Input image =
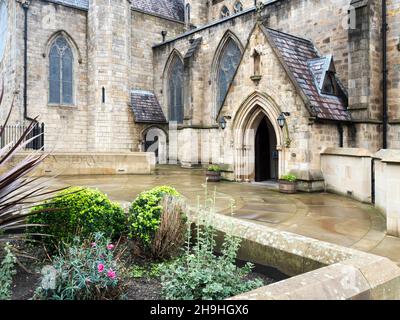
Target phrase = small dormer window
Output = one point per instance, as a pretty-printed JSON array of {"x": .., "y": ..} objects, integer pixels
[
  {"x": 225, "y": 12},
  {"x": 238, "y": 7},
  {"x": 329, "y": 86}
]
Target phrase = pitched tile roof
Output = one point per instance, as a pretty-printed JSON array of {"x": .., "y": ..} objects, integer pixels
[
  {"x": 81, "y": 4},
  {"x": 305, "y": 67},
  {"x": 173, "y": 9},
  {"x": 146, "y": 108}
]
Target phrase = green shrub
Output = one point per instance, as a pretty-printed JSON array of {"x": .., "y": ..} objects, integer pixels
[
  {"x": 145, "y": 212},
  {"x": 87, "y": 270},
  {"x": 214, "y": 168},
  {"x": 80, "y": 211},
  {"x": 7, "y": 271},
  {"x": 289, "y": 177},
  {"x": 200, "y": 274}
]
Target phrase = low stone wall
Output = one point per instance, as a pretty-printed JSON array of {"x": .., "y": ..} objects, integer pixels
[
  {"x": 322, "y": 271},
  {"x": 387, "y": 187},
  {"x": 348, "y": 172},
  {"x": 91, "y": 163}
]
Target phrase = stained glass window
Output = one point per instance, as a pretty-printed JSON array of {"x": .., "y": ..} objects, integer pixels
[
  {"x": 176, "y": 91},
  {"x": 228, "y": 64},
  {"x": 238, "y": 7},
  {"x": 225, "y": 12},
  {"x": 3, "y": 26},
  {"x": 61, "y": 72}
]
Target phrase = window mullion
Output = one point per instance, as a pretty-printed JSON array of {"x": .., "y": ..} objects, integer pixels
[{"x": 61, "y": 80}]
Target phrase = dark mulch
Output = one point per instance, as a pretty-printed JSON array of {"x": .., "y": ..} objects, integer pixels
[
  {"x": 144, "y": 289},
  {"x": 24, "y": 284}
]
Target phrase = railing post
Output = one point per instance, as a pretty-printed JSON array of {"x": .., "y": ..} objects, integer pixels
[{"x": 42, "y": 137}]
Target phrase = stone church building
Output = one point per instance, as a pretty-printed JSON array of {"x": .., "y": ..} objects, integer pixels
[{"x": 259, "y": 87}]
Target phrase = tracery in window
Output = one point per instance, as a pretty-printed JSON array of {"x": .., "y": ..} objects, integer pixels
[
  {"x": 175, "y": 83},
  {"x": 238, "y": 7},
  {"x": 228, "y": 63},
  {"x": 61, "y": 72},
  {"x": 225, "y": 12}
]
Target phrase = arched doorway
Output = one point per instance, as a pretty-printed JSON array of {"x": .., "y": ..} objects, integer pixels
[
  {"x": 155, "y": 140},
  {"x": 266, "y": 154},
  {"x": 255, "y": 129}
]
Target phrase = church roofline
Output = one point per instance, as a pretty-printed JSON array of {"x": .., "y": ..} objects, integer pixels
[
  {"x": 68, "y": 5},
  {"x": 207, "y": 26},
  {"x": 157, "y": 15}
]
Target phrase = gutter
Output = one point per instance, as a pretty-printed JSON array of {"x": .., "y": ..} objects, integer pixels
[{"x": 384, "y": 75}]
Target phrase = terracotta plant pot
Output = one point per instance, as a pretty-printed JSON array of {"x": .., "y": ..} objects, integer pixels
[
  {"x": 287, "y": 187},
  {"x": 213, "y": 176}
]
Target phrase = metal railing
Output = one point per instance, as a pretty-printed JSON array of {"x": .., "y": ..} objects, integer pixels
[{"x": 12, "y": 133}]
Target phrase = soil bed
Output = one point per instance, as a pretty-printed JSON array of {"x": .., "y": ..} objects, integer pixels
[{"x": 143, "y": 288}]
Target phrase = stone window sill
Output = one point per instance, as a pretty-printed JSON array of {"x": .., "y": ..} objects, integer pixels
[{"x": 56, "y": 105}]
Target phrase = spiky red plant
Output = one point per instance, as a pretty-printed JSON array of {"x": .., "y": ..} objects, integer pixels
[{"x": 19, "y": 191}]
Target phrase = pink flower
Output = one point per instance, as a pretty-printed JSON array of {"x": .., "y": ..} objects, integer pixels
[
  {"x": 111, "y": 274},
  {"x": 110, "y": 246},
  {"x": 93, "y": 244},
  {"x": 100, "y": 267}
]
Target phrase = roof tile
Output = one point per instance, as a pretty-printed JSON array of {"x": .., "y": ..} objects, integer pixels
[
  {"x": 146, "y": 107},
  {"x": 303, "y": 62},
  {"x": 173, "y": 9}
]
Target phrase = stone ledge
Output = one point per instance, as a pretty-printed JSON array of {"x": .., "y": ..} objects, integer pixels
[
  {"x": 87, "y": 163},
  {"x": 347, "y": 152},
  {"x": 388, "y": 155},
  {"x": 366, "y": 278},
  {"x": 272, "y": 247},
  {"x": 323, "y": 271}
]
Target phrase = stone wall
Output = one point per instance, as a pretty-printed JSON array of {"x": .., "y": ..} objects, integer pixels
[
  {"x": 146, "y": 32},
  {"x": 8, "y": 64},
  {"x": 348, "y": 172},
  {"x": 215, "y": 6},
  {"x": 202, "y": 80},
  {"x": 83, "y": 163},
  {"x": 393, "y": 20},
  {"x": 387, "y": 187},
  {"x": 63, "y": 124}
]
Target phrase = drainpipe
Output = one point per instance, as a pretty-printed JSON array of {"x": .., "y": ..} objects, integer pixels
[
  {"x": 25, "y": 7},
  {"x": 384, "y": 74},
  {"x": 340, "y": 129}
]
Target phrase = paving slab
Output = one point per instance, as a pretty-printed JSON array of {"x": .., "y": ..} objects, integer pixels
[{"x": 322, "y": 216}]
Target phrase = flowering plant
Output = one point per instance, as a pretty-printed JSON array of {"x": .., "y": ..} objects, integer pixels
[{"x": 87, "y": 270}]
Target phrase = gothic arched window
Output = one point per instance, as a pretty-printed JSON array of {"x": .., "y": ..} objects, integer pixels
[
  {"x": 228, "y": 63},
  {"x": 225, "y": 12},
  {"x": 188, "y": 14},
  {"x": 3, "y": 26},
  {"x": 61, "y": 72},
  {"x": 238, "y": 7},
  {"x": 175, "y": 99}
]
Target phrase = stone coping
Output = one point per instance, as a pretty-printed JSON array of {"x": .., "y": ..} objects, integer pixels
[
  {"x": 347, "y": 152},
  {"x": 321, "y": 270},
  {"x": 388, "y": 155}
]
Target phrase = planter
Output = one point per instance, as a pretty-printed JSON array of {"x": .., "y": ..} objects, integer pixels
[
  {"x": 213, "y": 176},
  {"x": 287, "y": 187}
]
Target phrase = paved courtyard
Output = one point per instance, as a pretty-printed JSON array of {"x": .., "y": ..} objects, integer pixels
[{"x": 321, "y": 216}]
